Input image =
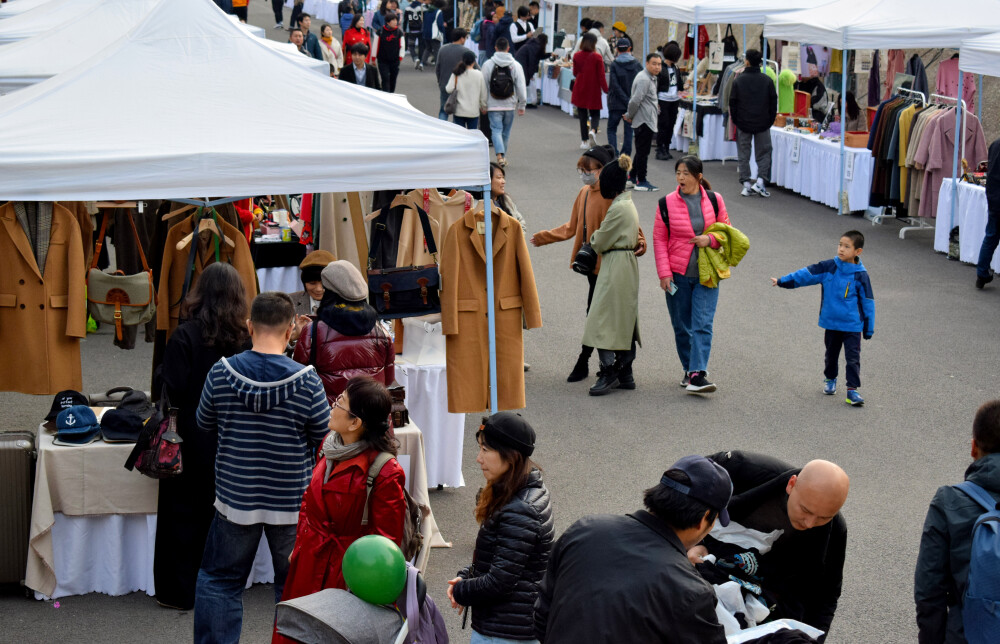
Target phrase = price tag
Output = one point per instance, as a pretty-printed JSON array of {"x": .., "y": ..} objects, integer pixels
[
  {"x": 849, "y": 167},
  {"x": 796, "y": 147}
]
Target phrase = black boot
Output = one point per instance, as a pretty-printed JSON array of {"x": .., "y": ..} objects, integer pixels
[
  {"x": 607, "y": 379},
  {"x": 581, "y": 370},
  {"x": 625, "y": 378}
]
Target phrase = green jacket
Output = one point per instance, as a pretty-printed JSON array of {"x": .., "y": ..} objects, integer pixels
[{"x": 714, "y": 263}]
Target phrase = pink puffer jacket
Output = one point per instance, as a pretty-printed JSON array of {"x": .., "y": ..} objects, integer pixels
[{"x": 673, "y": 250}]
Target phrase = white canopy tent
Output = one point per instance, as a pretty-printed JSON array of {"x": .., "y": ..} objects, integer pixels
[
  {"x": 256, "y": 31},
  {"x": 11, "y": 9},
  {"x": 981, "y": 56},
  {"x": 50, "y": 15},
  {"x": 612, "y": 4},
  {"x": 57, "y": 50},
  {"x": 740, "y": 12}
]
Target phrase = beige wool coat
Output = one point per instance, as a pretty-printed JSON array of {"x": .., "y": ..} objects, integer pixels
[{"x": 464, "y": 310}]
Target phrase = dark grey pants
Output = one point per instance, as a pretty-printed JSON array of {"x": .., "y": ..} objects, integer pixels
[{"x": 762, "y": 146}]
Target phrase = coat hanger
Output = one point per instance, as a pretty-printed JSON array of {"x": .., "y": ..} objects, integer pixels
[
  {"x": 207, "y": 222},
  {"x": 179, "y": 211}
]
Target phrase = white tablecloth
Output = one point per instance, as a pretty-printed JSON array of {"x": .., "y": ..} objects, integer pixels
[
  {"x": 817, "y": 172},
  {"x": 427, "y": 401},
  {"x": 712, "y": 145},
  {"x": 322, "y": 10},
  {"x": 970, "y": 217},
  {"x": 279, "y": 278},
  {"x": 550, "y": 91}
]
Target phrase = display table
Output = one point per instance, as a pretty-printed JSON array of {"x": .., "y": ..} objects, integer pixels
[
  {"x": 816, "y": 174},
  {"x": 970, "y": 217},
  {"x": 277, "y": 265},
  {"x": 427, "y": 401},
  {"x": 93, "y": 523},
  {"x": 712, "y": 143}
]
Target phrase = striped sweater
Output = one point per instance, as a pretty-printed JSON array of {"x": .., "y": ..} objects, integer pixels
[{"x": 271, "y": 414}]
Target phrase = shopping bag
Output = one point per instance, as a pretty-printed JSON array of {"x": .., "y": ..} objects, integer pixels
[{"x": 716, "y": 51}]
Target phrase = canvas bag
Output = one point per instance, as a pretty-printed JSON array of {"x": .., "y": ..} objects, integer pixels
[
  {"x": 120, "y": 299},
  {"x": 730, "y": 48},
  {"x": 404, "y": 291}
]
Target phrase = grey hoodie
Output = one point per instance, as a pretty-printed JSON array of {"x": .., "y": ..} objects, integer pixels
[{"x": 520, "y": 96}]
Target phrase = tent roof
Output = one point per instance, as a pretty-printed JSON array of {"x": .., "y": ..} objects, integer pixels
[
  {"x": 602, "y": 3},
  {"x": 45, "y": 17},
  {"x": 18, "y": 7},
  {"x": 57, "y": 50},
  {"x": 185, "y": 106},
  {"x": 256, "y": 31},
  {"x": 740, "y": 12},
  {"x": 887, "y": 24},
  {"x": 981, "y": 55}
]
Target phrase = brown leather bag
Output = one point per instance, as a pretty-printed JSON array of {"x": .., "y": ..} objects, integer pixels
[{"x": 120, "y": 299}]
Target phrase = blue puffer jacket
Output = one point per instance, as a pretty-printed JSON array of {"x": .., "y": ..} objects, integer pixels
[{"x": 848, "y": 302}]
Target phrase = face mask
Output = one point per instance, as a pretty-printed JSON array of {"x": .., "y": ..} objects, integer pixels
[{"x": 588, "y": 178}]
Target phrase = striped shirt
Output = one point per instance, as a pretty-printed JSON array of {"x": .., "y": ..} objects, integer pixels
[{"x": 269, "y": 430}]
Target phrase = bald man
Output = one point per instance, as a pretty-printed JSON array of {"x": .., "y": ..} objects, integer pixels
[{"x": 789, "y": 520}]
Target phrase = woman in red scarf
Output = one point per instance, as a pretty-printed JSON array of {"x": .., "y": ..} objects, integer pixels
[{"x": 357, "y": 33}]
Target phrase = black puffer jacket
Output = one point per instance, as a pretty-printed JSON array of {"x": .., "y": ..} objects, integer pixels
[{"x": 512, "y": 553}]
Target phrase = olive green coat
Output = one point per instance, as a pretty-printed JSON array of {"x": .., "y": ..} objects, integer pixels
[{"x": 613, "y": 320}]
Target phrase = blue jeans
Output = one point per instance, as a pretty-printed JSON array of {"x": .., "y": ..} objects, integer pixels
[
  {"x": 468, "y": 122},
  {"x": 225, "y": 567},
  {"x": 486, "y": 639},
  {"x": 613, "y": 119},
  {"x": 501, "y": 121},
  {"x": 692, "y": 311},
  {"x": 441, "y": 113},
  {"x": 990, "y": 243}
]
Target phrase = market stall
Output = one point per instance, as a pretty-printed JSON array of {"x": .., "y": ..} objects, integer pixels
[
  {"x": 48, "y": 16},
  {"x": 711, "y": 131}
]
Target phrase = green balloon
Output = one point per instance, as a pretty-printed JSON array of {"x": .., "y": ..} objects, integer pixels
[{"x": 375, "y": 569}]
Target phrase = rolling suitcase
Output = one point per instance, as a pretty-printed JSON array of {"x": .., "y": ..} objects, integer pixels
[{"x": 17, "y": 481}]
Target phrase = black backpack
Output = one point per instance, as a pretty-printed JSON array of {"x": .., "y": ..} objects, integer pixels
[
  {"x": 501, "y": 82},
  {"x": 663, "y": 208}
]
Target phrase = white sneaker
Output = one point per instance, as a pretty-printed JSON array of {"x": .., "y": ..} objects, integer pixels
[
  {"x": 630, "y": 185},
  {"x": 593, "y": 139},
  {"x": 747, "y": 192},
  {"x": 584, "y": 145},
  {"x": 759, "y": 189}
]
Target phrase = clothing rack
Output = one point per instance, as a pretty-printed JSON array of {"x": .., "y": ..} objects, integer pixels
[{"x": 912, "y": 92}]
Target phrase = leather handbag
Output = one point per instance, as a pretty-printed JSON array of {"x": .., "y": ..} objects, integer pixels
[
  {"x": 451, "y": 104},
  {"x": 120, "y": 299},
  {"x": 404, "y": 291},
  {"x": 586, "y": 258}
]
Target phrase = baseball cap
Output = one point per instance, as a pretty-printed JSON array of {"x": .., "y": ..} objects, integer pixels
[
  {"x": 510, "y": 429},
  {"x": 121, "y": 426},
  {"x": 710, "y": 483},
  {"x": 65, "y": 400},
  {"x": 136, "y": 402},
  {"x": 76, "y": 426},
  {"x": 623, "y": 44}
]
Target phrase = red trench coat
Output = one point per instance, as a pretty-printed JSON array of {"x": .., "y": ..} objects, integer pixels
[
  {"x": 590, "y": 81},
  {"x": 330, "y": 521}
]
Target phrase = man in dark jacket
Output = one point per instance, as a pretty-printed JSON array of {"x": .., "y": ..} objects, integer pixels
[
  {"x": 984, "y": 274},
  {"x": 529, "y": 56},
  {"x": 627, "y": 578},
  {"x": 753, "y": 106},
  {"x": 448, "y": 58},
  {"x": 623, "y": 72},
  {"x": 943, "y": 562},
  {"x": 311, "y": 42},
  {"x": 359, "y": 72},
  {"x": 799, "y": 511}
]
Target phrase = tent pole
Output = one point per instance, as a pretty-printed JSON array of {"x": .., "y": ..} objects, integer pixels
[
  {"x": 745, "y": 42},
  {"x": 959, "y": 135},
  {"x": 612, "y": 14},
  {"x": 694, "y": 98},
  {"x": 841, "y": 207},
  {"x": 579, "y": 17},
  {"x": 490, "y": 296},
  {"x": 645, "y": 37},
  {"x": 541, "y": 16}
]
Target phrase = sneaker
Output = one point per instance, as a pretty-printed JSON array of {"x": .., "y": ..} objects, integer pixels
[
  {"x": 585, "y": 145},
  {"x": 686, "y": 380},
  {"x": 699, "y": 383},
  {"x": 747, "y": 192},
  {"x": 279, "y": 26},
  {"x": 630, "y": 185},
  {"x": 760, "y": 189},
  {"x": 854, "y": 399},
  {"x": 830, "y": 386},
  {"x": 645, "y": 186},
  {"x": 983, "y": 281},
  {"x": 592, "y": 140}
]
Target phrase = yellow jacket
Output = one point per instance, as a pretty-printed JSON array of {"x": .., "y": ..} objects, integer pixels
[{"x": 714, "y": 263}]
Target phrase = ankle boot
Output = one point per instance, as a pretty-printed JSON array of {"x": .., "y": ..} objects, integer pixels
[
  {"x": 607, "y": 379},
  {"x": 581, "y": 370},
  {"x": 625, "y": 378}
]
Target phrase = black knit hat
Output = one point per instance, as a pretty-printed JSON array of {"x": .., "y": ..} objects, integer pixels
[
  {"x": 603, "y": 154},
  {"x": 614, "y": 176},
  {"x": 511, "y": 430}
]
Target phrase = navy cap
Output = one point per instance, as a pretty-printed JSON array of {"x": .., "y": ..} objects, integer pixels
[
  {"x": 710, "y": 483},
  {"x": 121, "y": 426},
  {"x": 511, "y": 430},
  {"x": 65, "y": 400},
  {"x": 78, "y": 419},
  {"x": 76, "y": 440}
]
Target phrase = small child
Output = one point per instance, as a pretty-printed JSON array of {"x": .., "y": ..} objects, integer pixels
[{"x": 846, "y": 317}]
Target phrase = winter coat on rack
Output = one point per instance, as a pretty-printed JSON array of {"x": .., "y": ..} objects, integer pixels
[
  {"x": 936, "y": 150},
  {"x": 895, "y": 60},
  {"x": 43, "y": 314},
  {"x": 442, "y": 211},
  {"x": 915, "y": 68},
  {"x": 464, "y": 308},
  {"x": 947, "y": 83}
]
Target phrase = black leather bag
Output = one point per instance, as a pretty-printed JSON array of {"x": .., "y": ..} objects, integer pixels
[
  {"x": 404, "y": 291},
  {"x": 586, "y": 258},
  {"x": 730, "y": 48}
]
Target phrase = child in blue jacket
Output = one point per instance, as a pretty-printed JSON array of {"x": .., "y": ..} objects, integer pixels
[{"x": 847, "y": 309}]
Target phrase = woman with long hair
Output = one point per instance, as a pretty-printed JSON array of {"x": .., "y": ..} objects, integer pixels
[
  {"x": 499, "y": 196},
  {"x": 677, "y": 234},
  {"x": 333, "y": 52},
  {"x": 613, "y": 319},
  {"x": 588, "y": 87},
  {"x": 468, "y": 82},
  {"x": 213, "y": 326},
  {"x": 357, "y": 34},
  {"x": 515, "y": 535},
  {"x": 857, "y": 120},
  {"x": 333, "y": 505}
]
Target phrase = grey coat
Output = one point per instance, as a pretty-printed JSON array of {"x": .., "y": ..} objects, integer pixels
[{"x": 643, "y": 106}]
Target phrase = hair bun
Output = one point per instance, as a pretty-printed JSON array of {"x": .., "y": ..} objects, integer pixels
[{"x": 625, "y": 163}]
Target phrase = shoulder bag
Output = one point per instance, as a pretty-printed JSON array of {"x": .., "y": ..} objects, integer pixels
[
  {"x": 586, "y": 258},
  {"x": 120, "y": 299}
]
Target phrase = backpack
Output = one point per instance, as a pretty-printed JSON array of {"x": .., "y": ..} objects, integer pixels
[
  {"x": 413, "y": 540},
  {"x": 501, "y": 82},
  {"x": 157, "y": 451},
  {"x": 477, "y": 31},
  {"x": 981, "y": 600},
  {"x": 663, "y": 208}
]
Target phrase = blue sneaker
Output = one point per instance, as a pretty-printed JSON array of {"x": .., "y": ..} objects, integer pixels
[
  {"x": 854, "y": 399},
  {"x": 830, "y": 386},
  {"x": 645, "y": 186}
]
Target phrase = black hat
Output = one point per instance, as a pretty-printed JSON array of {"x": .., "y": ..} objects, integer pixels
[
  {"x": 65, "y": 400},
  {"x": 710, "y": 483},
  {"x": 603, "y": 154},
  {"x": 614, "y": 176},
  {"x": 121, "y": 426},
  {"x": 509, "y": 429},
  {"x": 136, "y": 402}
]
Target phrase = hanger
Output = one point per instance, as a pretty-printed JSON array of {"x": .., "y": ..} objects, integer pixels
[
  {"x": 179, "y": 211},
  {"x": 116, "y": 204},
  {"x": 207, "y": 222}
]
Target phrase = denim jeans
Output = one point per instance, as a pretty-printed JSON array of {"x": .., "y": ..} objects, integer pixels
[
  {"x": 444, "y": 98},
  {"x": 692, "y": 311},
  {"x": 989, "y": 244},
  {"x": 225, "y": 567},
  {"x": 486, "y": 639},
  {"x": 614, "y": 118},
  {"x": 500, "y": 122},
  {"x": 468, "y": 122}
]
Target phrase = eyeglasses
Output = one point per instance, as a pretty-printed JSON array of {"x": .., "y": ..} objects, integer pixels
[{"x": 336, "y": 403}]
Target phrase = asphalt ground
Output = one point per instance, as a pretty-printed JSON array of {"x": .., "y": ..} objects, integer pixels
[{"x": 934, "y": 358}]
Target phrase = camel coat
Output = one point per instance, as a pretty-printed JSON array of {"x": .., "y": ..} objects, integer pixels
[
  {"x": 42, "y": 317},
  {"x": 464, "y": 309},
  {"x": 171, "y": 287}
]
